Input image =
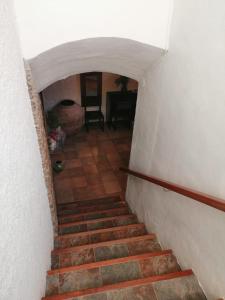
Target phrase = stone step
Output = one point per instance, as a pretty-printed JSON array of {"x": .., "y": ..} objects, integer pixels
[
  {"x": 181, "y": 285},
  {"x": 109, "y": 272},
  {"x": 91, "y": 208},
  {"x": 94, "y": 215},
  {"x": 102, "y": 223},
  {"x": 100, "y": 235},
  {"x": 89, "y": 202},
  {"x": 91, "y": 253}
]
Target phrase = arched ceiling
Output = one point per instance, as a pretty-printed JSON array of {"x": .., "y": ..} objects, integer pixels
[
  {"x": 62, "y": 38},
  {"x": 114, "y": 55}
]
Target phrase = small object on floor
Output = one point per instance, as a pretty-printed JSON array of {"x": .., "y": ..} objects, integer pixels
[
  {"x": 56, "y": 139},
  {"x": 58, "y": 166}
]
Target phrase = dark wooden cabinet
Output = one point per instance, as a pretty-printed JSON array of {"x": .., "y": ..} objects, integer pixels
[{"x": 120, "y": 106}]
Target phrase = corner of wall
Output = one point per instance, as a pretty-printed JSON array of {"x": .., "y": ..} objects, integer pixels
[
  {"x": 43, "y": 145},
  {"x": 170, "y": 19}
]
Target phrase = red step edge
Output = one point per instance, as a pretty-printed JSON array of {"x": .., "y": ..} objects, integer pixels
[
  {"x": 116, "y": 197},
  {"x": 109, "y": 262},
  {"x": 106, "y": 243},
  {"x": 61, "y": 213},
  {"x": 95, "y": 220},
  {"x": 93, "y": 212},
  {"x": 131, "y": 283},
  {"x": 117, "y": 228}
]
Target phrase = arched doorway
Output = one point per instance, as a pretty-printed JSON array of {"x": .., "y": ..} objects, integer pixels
[
  {"x": 112, "y": 55},
  {"x": 92, "y": 159}
]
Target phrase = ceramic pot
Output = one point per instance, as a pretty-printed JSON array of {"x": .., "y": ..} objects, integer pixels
[{"x": 70, "y": 116}]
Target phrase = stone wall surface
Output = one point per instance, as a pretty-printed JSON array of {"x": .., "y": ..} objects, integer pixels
[{"x": 43, "y": 144}]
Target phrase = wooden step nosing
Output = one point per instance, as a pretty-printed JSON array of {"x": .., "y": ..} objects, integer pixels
[
  {"x": 96, "y": 220},
  {"x": 110, "y": 262},
  {"x": 93, "y": 212},
  {"x": 116, "y": 228},
  {"x": 106, "y": 243},
  {"x": 120, "y": 285}
]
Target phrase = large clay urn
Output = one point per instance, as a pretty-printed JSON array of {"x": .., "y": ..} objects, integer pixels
[{"x": 70, "y": 116}]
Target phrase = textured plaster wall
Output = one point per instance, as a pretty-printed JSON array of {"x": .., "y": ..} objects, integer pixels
[
  {"x": 25, "y": 222},
  {"x": 69, "y": 88},
  {"x": 61, "y": 22},
  {"x": 179, "y": 136}
]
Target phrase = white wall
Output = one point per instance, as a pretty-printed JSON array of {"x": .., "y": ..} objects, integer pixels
[
  {"x": 69, "y": 88},
  {"x": 179, "y": 136},
  {"x": 45, "y": 24},
  {"x": 25, "y": 222},
  {"x": 65, "y": 38},
  {"x": 113, "y": 55}
]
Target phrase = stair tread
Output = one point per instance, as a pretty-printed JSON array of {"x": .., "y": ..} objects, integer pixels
[
  {"x": 120, "y": 285},
  {"x": 104, "y": 250},
  {"x": 96, "y": 220},
  {"x": 92, "y": 212},
  {"x": 118, "y": 228},
  {"x": 94, "y": 245},
  {"x": 110, "y": 262},
  {"x": 102, "y": 223},
  {"x": 111, "y": 271},
  {"x": 89, "y": 208},
  {"x": 113, "y": 198},
  {"x": 89, "y": 204}
]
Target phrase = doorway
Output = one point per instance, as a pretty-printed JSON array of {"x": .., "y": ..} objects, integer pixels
[{"x": 92, "y": 159}]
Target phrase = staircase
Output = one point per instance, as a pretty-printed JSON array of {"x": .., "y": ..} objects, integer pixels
[{"x": 102, "y": 252}]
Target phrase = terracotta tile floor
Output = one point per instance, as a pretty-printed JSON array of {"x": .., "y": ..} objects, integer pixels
[{"x": 91, "y": 163}]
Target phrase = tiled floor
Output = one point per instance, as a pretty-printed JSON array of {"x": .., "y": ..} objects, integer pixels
[{"x": 91, "y": 162}]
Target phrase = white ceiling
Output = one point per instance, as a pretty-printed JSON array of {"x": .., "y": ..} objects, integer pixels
[{"x": 45, "y": 24}]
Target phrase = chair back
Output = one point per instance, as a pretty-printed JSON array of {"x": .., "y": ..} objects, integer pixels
[
  {"x": 92, "y": 101},
  {"x": 91, "y": 89}
]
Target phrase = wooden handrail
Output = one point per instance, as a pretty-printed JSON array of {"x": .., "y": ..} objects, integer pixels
[{"x": 200, "y": 197}]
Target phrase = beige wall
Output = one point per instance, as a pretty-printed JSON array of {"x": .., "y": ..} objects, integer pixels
[{"x": 69, "y": 88}]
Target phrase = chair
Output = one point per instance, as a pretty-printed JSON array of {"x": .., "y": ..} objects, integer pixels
[
  {"x": 91, "y": 97},
  {"x": 94, "y": 114}
]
